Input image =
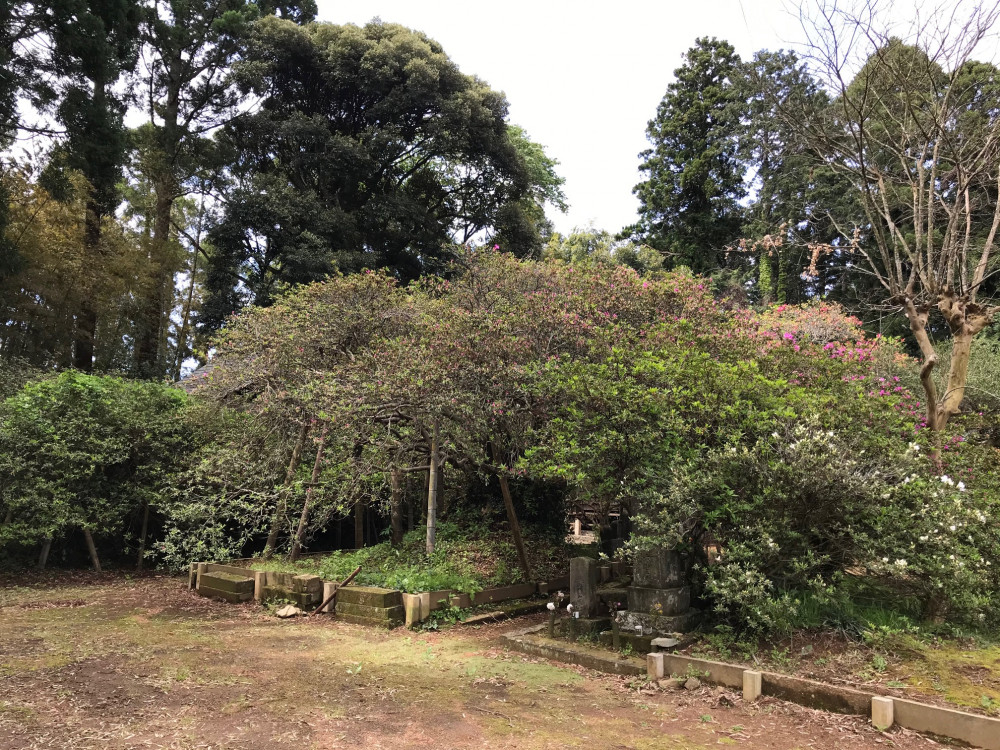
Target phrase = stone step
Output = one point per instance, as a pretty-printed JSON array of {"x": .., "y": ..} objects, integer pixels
[
  {"x": 386, "y": 616},
  {"x": 370, "y": 596},
  {"x": 233, "y": 597},
  {"x": 369, "y": 622},
  {"x": 235, "y": 584}
]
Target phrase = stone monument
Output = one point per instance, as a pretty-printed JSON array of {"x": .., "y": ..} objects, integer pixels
[
  {"x": 659, "y": 598},
  {"x": 583, "y": 596}
]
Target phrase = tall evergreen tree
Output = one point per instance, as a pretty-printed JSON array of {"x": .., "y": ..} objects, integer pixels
[
  {"x": 19, "y": 21},
  {"x": 689, "y": 201},
  {"x": 94, "y": 43},
  {"x": 188, "y": 46},
  {"x": 370, "y": 149}
]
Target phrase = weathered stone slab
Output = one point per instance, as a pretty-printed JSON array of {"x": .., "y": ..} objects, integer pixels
[
  {"x": 233, "y": 569},
  {"x": 370, "y": 623},
  {"x": 816, "y": 694},
  {"x": 517, "y": 591},
  {"x": 583, "y": 585},
  {"x": 395, "y": 615},
  {"x": 659, "y": 569},
  {"x": 664, "y": 602},
  {"x": 881, "y": 712},
  {"x": 654, "y": 625},
  {"x": 439, "y": 599},
  {"x": 236, "y": 584},
  {"x": 308, "y": 584},
  {"x": 369, "y": 596},
  {"x": 271, "y": 593},
  {"x": 233, "y": 597}
]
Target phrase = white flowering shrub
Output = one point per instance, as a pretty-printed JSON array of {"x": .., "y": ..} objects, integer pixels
[{"x": 801, "y": 510}]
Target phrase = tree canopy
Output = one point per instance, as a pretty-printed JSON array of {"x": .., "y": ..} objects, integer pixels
[{"x": 370, "y": 149}]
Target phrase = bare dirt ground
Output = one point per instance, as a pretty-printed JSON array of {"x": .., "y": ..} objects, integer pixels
[{"x": 111, "y": 662}]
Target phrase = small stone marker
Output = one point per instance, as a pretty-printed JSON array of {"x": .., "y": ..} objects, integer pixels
[
  {"x": 583, "y": 585},
  {"x": 289, "y": 610},
  {"x": 751, "y": 685},
  {"x": 882, "y": 712},
  {"x": 654, "y": 666}
]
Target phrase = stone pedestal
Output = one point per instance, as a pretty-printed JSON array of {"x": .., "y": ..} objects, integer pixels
[
  {"x": 583, "y": 585},
  {"x": 659, "y": 600},
  {"x": 662, "y": 602},
  {"x": 653, "y": 625}
]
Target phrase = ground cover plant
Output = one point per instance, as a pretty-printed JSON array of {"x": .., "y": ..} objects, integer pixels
[{"x": 468, "y": 559}]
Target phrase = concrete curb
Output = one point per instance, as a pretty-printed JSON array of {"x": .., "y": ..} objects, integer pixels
[{"x": 973, "y": 729}]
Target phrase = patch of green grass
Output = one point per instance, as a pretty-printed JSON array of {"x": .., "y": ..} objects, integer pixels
[{"x": 467, "y": 559}]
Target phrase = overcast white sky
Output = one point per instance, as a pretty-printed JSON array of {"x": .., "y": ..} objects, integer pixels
[{"x": 583, "y": 78}]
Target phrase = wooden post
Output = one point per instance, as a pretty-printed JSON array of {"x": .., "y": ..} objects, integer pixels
[
  {"x": 515, "y": 527},
  {"x": 432, "y": 491},
  {"x": 92, "y": 549},
  {"x": 395, "y": 507},
  {"x": 304, "y": 517},
  {"x": 142, "y": 536},
  {"x": 279, "y": 508},
  {"x": 43, "y": 556}
]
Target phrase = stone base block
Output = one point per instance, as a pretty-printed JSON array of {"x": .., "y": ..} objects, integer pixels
[
  {"x": 308, "y": 584},
  {"x": 369, "y": 596},
  {"x": 389, "y": 617},
  {"x": 662, "y": 602},
  {"x": 233, "y": 597},
  {"x": 230, "y": 582},
  {"x": 353, "y": 620},
  {"x": 301, "y": 600},
  {"x": 654, "y": 625}
]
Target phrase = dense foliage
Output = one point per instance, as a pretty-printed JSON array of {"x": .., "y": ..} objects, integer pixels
[
  {"x": 81, "y": 452},
  {"x": 707, "y": 425}
]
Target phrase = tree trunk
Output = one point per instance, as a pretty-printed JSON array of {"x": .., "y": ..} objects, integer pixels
[
  {"x": 159, "y": 296},
  {"x": 85, "y": 333},
  {"x": 301, "y": 531},
  {"x": 432, "y": 492},
  {"x": 92, "y": 549},
  {"x": 958, "y": 376},
  {"x": 43, "y": 556},
  {"x": 182, "y": 334},
  {"x": 396, "y": 507},
  {"x": 359, "y": 525},
  {"x": 142, "y": 536},
  {"x": 515, "y": 527},
  {"x": 279, "y": 508}
]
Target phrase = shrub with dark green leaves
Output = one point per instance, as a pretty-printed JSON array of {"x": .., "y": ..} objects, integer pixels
[{"x": 85, "y": 452}]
